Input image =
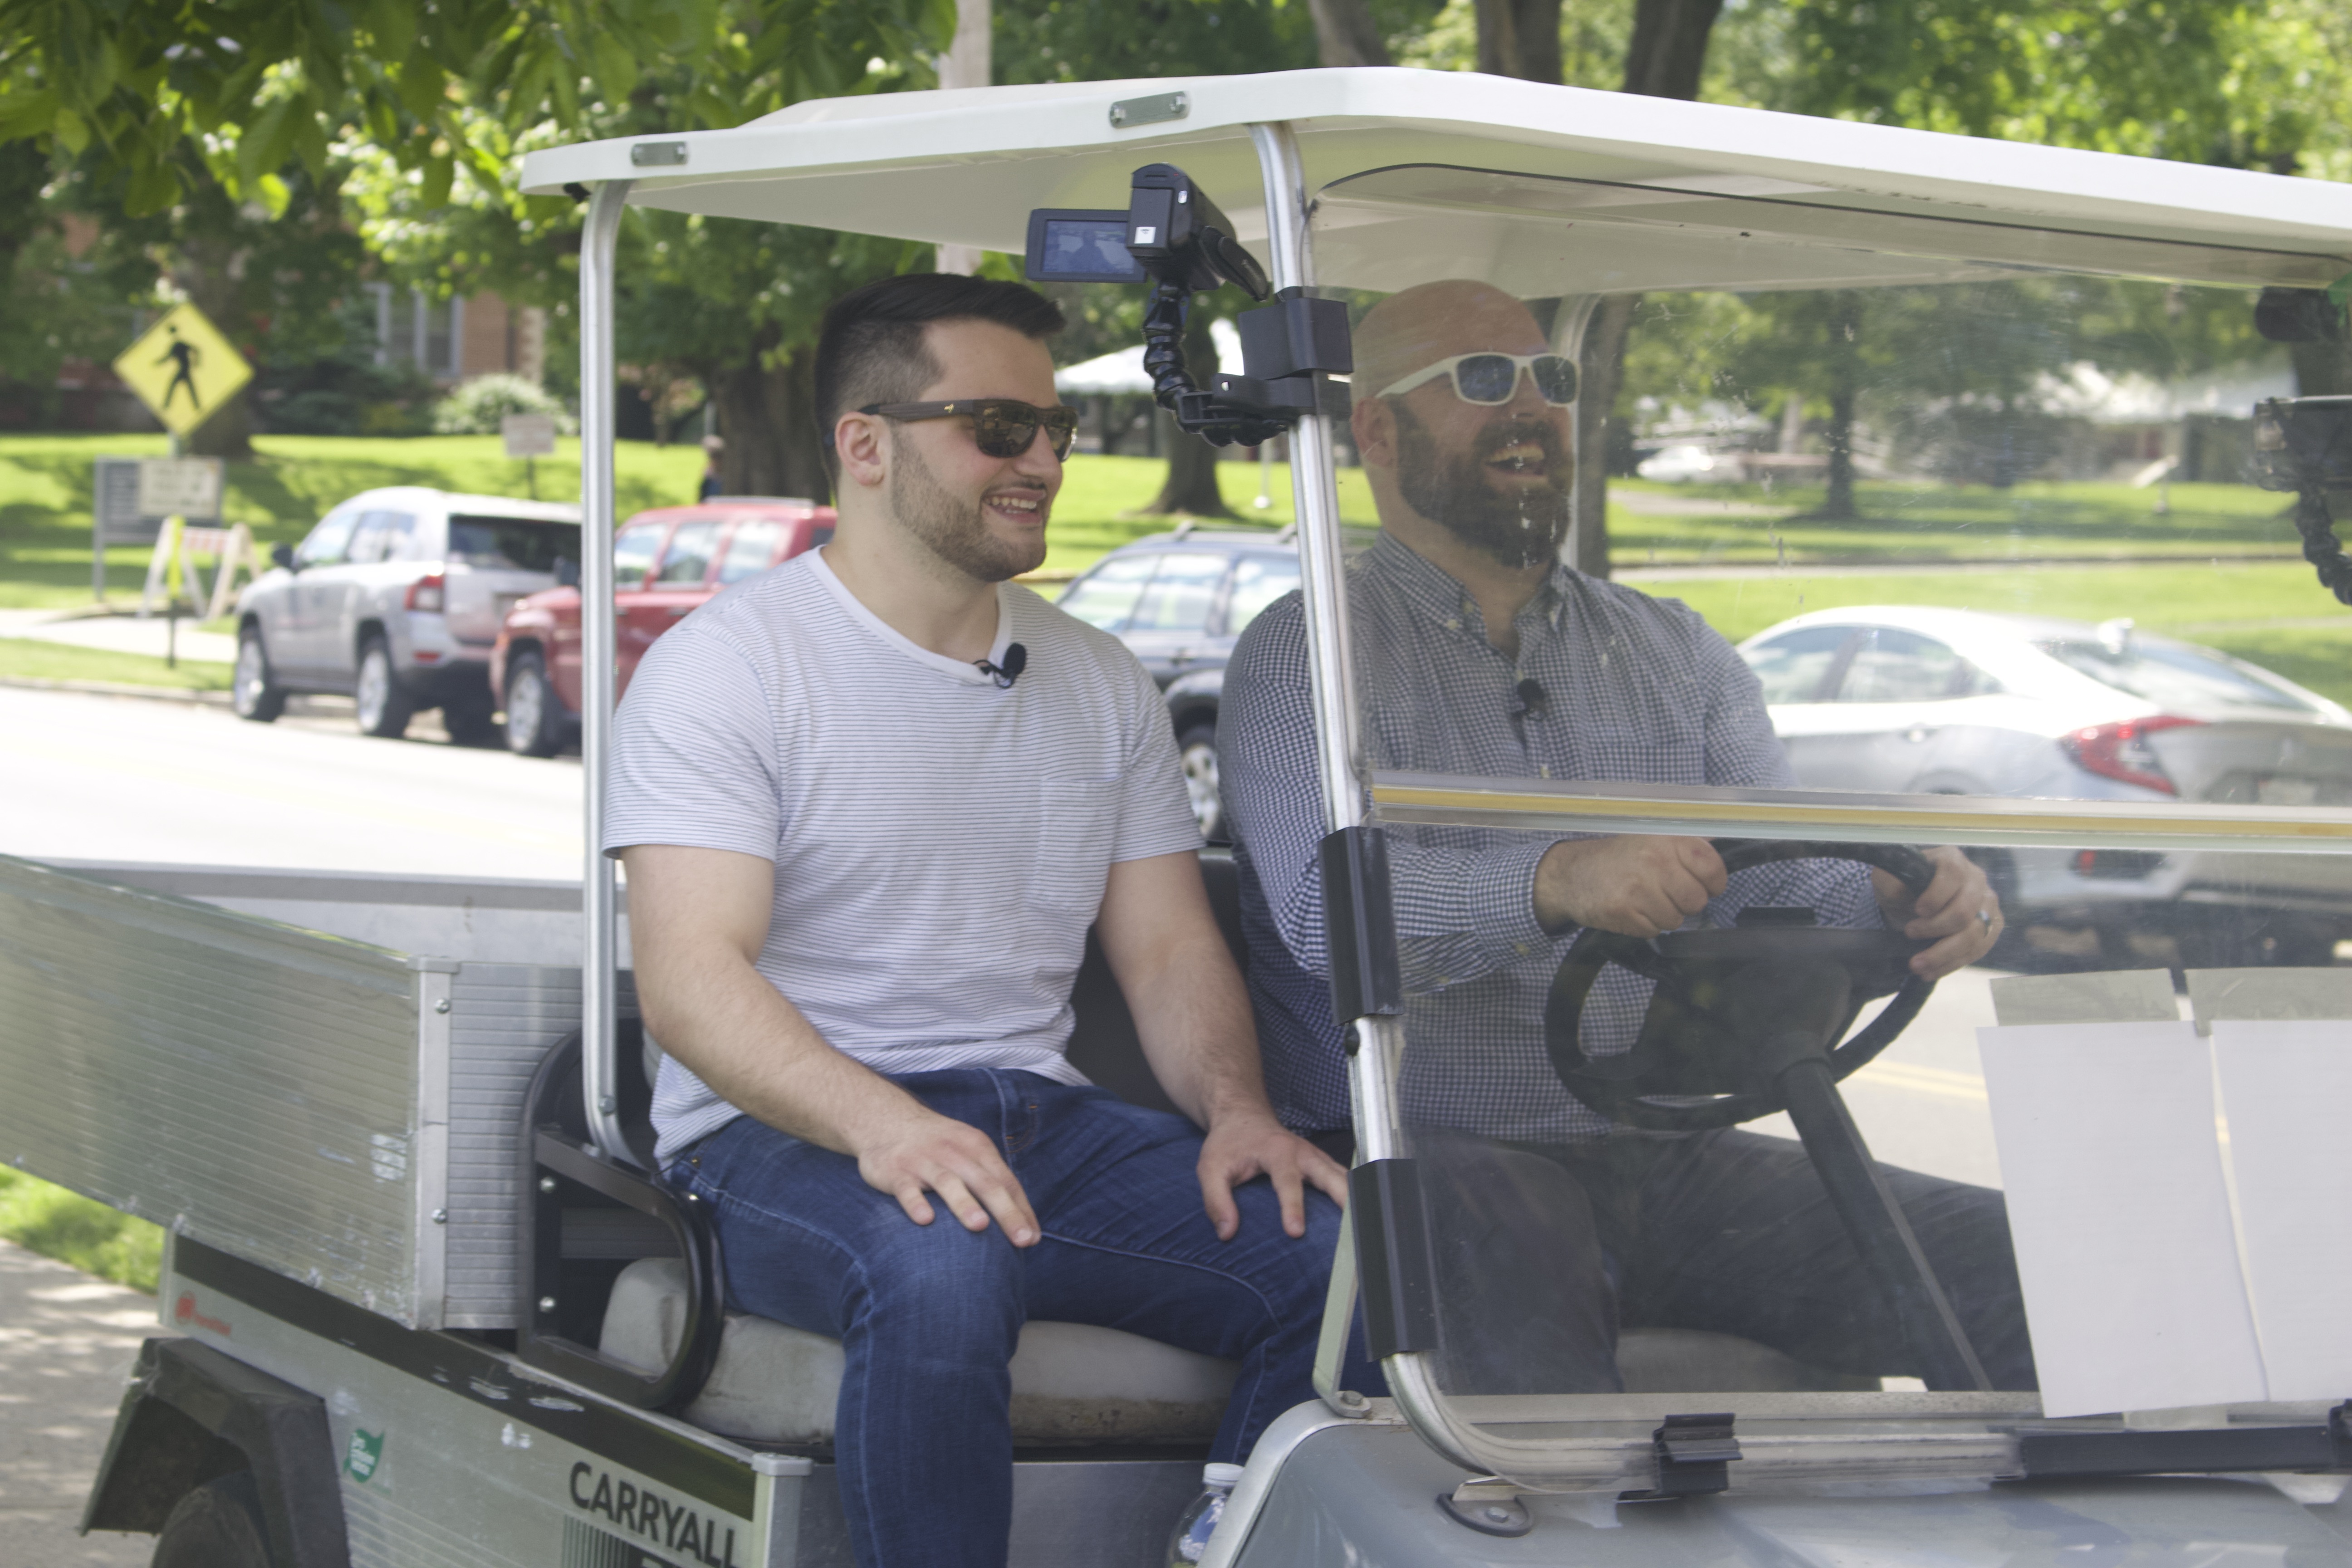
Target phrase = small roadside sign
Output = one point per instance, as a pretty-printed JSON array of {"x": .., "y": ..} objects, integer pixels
[
  {"x": 188, "y": 488},
  {"x": 528, "y": 434},
  {"x": 183, "y": 369}
]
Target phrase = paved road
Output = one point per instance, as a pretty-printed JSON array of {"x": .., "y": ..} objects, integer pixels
[
  {"x": 67, "y": 1342},
  {"x": 118, "y": 634},
  {"x": 92, "y": 778}
]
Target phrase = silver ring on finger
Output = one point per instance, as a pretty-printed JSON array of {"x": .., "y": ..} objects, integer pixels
[{"x": 1984, "y": 919}]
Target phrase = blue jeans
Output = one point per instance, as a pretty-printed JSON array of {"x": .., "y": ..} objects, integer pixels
[{"x": 928, "y": 1315}]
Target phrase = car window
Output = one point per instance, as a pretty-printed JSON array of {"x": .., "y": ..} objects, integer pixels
[
  {"x": 327, "y": 542},
  {"x": 752, "y": 550},
  {"x": 1258, "y": 581},
  {"x": 512, "y": 543},
  {"x": 1893, "y": 666},
  {"x": 1792, "y": 666},
  {"x": 1182, "y": 593},
  {"x": 633, "y": 554},
  {"x": 1106, "y": 596},
  {"x": 379, "y": 537},
  {"x": 686, "y": 562},
  {"x": 2175, "y": 674}
]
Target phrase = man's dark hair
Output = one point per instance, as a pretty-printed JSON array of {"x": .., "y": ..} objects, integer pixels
[{"x": 872, "y": 349}]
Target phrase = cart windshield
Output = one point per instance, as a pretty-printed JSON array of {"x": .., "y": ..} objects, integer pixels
[{"x": 1732, "y": 513}]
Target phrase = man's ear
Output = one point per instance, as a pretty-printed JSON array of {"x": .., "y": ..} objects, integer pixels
[
  {"x": 1373, "y": 423},
  {"x": 862, "y": 447}
]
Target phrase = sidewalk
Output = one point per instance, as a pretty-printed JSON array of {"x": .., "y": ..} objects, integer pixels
[
  {"x": 67, "y": 1342},
  {"x": 118, "y": 634}
]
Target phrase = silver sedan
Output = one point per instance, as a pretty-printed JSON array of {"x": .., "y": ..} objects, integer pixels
[{"x": 1911, "y": 700}]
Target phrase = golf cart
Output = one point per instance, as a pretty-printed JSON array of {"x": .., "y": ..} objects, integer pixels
[{"x": 428, "y": 1303}]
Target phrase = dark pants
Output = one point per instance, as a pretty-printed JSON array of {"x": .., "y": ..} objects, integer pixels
[
  {"x": 1542, "y": 1252},
  {"x": 928, "y": 1315}
]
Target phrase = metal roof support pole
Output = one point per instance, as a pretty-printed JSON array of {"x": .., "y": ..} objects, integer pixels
[
  {"x": 599, "y": 1076},
  {"x": 1315, "y": 492}
]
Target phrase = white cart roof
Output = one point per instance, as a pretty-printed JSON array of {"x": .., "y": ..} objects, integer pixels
[{"x": 1660, "y": 194}]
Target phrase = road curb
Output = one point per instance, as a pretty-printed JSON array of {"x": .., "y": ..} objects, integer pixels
[{"x": 119, "y": 689}]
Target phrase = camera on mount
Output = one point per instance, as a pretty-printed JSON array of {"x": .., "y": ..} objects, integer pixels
[
  {"x": 2304, "y": 444},
  {"x": 1175, "y": 238}
]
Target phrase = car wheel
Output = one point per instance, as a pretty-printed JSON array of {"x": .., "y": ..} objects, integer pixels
[
  {"x": 217, "y": 1525},
  {"x": 253, "y": 692},
  {"x": 534, "y": 716},
  {"x": 383, "y": 708},
  {"x": 1197, "y": 749}
]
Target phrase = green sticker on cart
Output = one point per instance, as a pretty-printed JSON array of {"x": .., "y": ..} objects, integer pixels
[{"x": 366, "y": 1452}]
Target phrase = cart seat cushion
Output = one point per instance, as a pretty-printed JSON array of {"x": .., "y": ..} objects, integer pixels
[{"x": 1072, "y": 1382}]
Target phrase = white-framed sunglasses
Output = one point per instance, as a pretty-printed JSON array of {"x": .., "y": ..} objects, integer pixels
[{"x": 1492, "y": 378}]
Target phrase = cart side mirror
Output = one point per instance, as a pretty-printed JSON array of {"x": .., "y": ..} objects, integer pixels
[
  {"x": 283, "y": 555},
  {"x": 567, "y": 572}
]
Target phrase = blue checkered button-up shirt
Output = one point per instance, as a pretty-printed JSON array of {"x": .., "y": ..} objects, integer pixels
[{"x": 1637, "y": 691}]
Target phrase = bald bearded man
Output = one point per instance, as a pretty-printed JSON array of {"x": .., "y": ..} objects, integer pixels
[{"x": 1479, "y": 652}]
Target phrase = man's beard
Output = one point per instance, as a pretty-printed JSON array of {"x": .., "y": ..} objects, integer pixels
[
  {"x": 1518, "y": 527},
  {"x": 955, "y": 529}
]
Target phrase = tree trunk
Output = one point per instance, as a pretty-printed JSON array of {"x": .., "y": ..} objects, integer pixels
[
  {"x": 1520, "y": 39},
  {"x": 1662, "y": 59},
  {"x": 767, "y": 418},
  {"x": 1345, "y": 34},
  {"x": 1600, "y": 371},
  {"x": 1846, "y": 379},
  {"x": 208, "y": 273},
  {"x": 1667, "y": 54},
  {"x": 1190, "y": 490}
]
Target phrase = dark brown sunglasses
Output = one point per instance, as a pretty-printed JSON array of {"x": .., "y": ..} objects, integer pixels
[{"x": 1001, "y": 427}]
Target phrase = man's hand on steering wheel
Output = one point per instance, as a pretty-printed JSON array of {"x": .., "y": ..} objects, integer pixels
[
  {"x": 1635, "y": 884},
  {"x": 1958, "y": 913}
]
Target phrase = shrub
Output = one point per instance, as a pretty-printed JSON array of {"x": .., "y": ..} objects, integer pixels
[
  {"x": 73, "y": 1229},
  {"x": 475, "y": 408}
]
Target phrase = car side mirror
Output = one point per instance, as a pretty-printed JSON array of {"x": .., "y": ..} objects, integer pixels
[
  {"x": 567, "y": 572},
  {"x": 283, "y": 555}
]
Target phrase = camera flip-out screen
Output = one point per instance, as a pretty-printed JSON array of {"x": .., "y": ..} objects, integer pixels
[{"x": 1080, "y": 246}]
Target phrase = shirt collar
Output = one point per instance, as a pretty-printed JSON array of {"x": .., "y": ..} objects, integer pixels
[{"x": 1434, "y": 593}]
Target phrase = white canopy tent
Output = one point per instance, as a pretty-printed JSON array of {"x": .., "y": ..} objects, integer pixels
[{"x": 1120, "y": 372}]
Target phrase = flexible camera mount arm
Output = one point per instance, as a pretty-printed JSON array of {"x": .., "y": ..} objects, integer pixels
[{"x": 1174, "y": 238}]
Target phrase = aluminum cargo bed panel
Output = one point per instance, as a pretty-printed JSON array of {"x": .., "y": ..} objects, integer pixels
[{"x": 250, "y": 1083}]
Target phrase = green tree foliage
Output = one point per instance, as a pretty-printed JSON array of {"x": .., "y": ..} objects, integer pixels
[{"x": 141, "y": 81}]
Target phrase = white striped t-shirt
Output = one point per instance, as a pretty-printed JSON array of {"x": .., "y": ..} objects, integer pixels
[{"x": 940, "y": 844}]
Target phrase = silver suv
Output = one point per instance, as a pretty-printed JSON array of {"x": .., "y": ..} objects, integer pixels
[{"x": 396, "y": 598}]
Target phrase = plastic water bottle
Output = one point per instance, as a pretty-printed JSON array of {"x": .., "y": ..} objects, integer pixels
[{"x": 1190, "y": 1540}]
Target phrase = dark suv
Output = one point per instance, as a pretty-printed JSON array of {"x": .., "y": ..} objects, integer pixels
[{"x": 1180, "y": 600}]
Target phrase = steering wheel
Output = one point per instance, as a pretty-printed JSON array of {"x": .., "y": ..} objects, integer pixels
[{"x": 1696, "y": 1046}]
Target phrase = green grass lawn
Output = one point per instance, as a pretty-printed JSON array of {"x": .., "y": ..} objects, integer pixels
[
  {"x": 23, "y": 657},
  {"x": 45, "y": 489},
  {"x": 1913, "y": 521},
  {"x": 73, "y": 1229}
]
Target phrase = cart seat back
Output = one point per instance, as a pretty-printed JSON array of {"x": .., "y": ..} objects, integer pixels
[{"x": 1072, "y": 1382}]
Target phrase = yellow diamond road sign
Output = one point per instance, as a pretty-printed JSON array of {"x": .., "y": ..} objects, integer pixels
[{"x": 183, "y": 369}]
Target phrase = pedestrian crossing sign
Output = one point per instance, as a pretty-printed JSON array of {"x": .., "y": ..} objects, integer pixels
[{"x": 183, "y": 369}]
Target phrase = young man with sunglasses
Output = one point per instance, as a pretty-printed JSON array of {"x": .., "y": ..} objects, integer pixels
[
  {"x": 870, "y": 803},
  {"x": 1479, "y": 652}
]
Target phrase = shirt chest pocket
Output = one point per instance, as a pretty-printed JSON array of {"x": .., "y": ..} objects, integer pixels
[{"x": 1075, "y": 823}]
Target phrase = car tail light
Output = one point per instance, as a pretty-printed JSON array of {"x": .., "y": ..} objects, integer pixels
[
  {"x": 2120, "y": 750},
  {"x": 428, "y": 593}
]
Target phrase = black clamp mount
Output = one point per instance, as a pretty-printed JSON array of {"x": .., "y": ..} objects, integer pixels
[
  {"x": 2304, "y": 444},
  {"x": 1693, "y": 1453},
  {"x": 1174, "y": 237}
]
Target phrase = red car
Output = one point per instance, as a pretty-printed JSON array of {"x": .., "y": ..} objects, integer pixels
[{"x": 665, "y": 563}]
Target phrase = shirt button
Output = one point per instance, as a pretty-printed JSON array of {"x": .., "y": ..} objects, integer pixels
[{"x": 1453, "y": 625}]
